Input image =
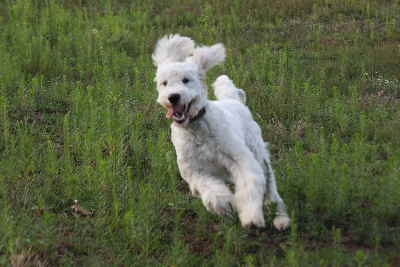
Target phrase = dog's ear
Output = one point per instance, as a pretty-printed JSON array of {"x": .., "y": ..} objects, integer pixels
[
  {"x": 207, "y": 57},
  {"x": 172, "y": 48}
]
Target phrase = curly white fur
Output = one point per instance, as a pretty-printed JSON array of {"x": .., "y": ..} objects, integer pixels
[{"x": 216, "y": 142}]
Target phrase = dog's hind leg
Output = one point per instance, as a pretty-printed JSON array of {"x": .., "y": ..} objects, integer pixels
[
  {"x": 260, "y": 151},
  {"x": 250, "y": 186},
  {"x": 281, "y": 220}
]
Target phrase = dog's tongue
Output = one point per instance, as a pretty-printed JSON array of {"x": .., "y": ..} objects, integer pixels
[
  {"x": 170, "y": 112},
  {"x": 176, "y": 109}
]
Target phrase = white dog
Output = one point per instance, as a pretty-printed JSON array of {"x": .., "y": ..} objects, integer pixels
[{"x": 216, "y": 142}]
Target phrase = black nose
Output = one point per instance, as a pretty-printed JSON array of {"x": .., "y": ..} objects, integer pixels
[{"x": 174, "y": 98}]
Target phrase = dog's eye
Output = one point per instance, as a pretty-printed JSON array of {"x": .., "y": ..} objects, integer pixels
[
  {"x": 185, "y": 80},
  {"x": 164, "y": 83}
]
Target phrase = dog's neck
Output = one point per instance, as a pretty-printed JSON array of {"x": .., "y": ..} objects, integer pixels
[
  {"x": 198, "y": 127},
  {"x": 199, "y": 115}
]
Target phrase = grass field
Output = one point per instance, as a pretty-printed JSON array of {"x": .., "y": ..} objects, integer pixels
[{"x": 79, "y": 121}]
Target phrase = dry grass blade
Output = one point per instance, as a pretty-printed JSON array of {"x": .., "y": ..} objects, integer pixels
[
  {"x": 27, "y": 259},
  {"x": 77, "y": 209}
]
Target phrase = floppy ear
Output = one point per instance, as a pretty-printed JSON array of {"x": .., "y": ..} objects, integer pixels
[
  {"x": 207, "y": 57},
  {"x": 172, "y": 48}
]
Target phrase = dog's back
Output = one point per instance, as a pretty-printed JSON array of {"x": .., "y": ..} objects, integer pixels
[{"x": 225, "y": 89}]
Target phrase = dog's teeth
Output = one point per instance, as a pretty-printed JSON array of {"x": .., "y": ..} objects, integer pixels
[{"x": 178, "y": 115}]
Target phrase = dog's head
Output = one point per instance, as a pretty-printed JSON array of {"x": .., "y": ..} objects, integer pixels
[{"x": 181, "y": 69}]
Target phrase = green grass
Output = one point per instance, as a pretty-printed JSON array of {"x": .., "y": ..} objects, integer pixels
[{"x": 79, "y": 121}]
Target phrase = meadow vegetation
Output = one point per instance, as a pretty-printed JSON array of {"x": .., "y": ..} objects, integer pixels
[{"x": 79, "y": 121}]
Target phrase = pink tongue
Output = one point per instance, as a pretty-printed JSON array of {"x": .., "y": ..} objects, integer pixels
[{"x": 169, "y": 113}]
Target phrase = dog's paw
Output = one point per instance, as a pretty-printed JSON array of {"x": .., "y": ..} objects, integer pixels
[
  {"x": 249, "y": 219},
  {"x": 281, "y": 222},
  {"x": 219, "y": 204}
]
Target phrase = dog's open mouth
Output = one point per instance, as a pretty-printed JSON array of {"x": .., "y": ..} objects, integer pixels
[{"x": 179, "y": 113}]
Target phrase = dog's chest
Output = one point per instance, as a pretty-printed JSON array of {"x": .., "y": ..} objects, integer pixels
[{"x": 201, "y": 148}]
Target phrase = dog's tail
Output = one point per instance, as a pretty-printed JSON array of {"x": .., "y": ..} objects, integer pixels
[{"x": 225, "y": 89}]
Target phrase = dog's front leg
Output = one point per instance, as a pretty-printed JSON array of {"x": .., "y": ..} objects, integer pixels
[{"x": 214, "y": 193}]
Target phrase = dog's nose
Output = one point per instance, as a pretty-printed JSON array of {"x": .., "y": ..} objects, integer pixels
[{"x": 174, "y": 98}]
